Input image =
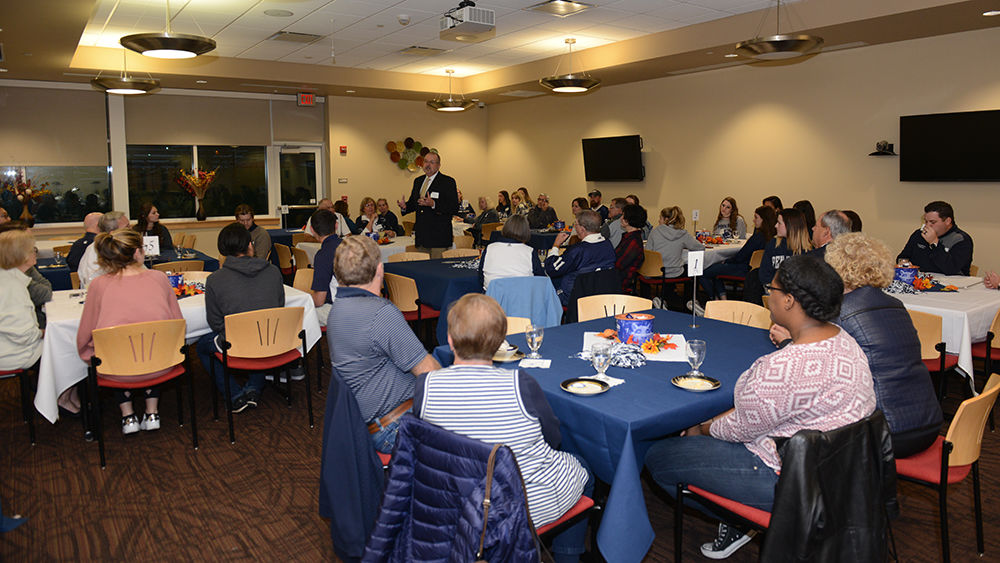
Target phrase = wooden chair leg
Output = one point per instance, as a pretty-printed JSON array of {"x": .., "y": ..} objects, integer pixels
[
  {"x": 305, "y": 369},
  {"x": 229, "y": 400},
  {"x": 978, "y": 508}
]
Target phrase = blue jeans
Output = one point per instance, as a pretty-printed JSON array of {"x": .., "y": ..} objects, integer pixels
[
  {"x": 725, "y": 468},
  {"x": 206, "y": 351},
  {"x": 385, "y": 439},
  {"x": 715, "y": 287},
  {"x": 568, "y": 545}
]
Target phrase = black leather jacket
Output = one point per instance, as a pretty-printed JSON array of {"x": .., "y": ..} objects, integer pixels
[
  {"x": 903, "y": 388},
  {"x": 835, "y": 495}
]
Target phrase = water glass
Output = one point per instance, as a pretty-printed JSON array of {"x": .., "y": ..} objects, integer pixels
[
  {"x": 534, "y": 336},
  {"x": 600, "y": 357},
  {"x": 695, "y": 355},
  {"x": 59, "y": 259}
]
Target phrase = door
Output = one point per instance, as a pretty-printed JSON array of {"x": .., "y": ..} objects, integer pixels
[{"x": 301, "y": 182}]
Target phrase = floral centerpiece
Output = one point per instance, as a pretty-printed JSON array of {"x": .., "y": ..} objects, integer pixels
[
  {"x": 25, "y": 190},
  {"x": 196, "y": 183}
]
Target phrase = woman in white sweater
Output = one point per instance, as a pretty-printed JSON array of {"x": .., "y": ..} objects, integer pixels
[
  {"x": 509, "y": 256},
  {"x": 20, "y": 337}
]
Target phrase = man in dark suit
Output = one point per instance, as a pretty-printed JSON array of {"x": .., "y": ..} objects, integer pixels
[{"x": 435, "y": 199}]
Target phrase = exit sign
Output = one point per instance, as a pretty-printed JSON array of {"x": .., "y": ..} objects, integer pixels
[{"x": 306, "y": 99}]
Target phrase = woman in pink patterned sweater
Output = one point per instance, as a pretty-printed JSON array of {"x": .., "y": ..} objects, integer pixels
[{"x": 820, "y": 381}]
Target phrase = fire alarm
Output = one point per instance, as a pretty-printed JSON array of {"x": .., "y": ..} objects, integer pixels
[{"x": 343, "y": 150}]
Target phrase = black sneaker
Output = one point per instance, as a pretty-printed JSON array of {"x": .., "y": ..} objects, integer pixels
[
  {"x": 727, "y": 542},
  {"x": 252, "y": 397},
  {"x": 241, "y": 403}
]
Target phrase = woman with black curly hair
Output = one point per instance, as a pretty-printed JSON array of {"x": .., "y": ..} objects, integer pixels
[{"x": 820, "y": 381}]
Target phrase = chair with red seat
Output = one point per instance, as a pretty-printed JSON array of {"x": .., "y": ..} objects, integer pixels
[
  {"x": 755, "y": 259},
  {"x": 403, "y": 293},
  {"x": 651, "y": 273},
  {"x": 812, "y": 518},
  {"x": 134, "y": 350},
  {"x": 262, "y": 340},
  {"x": 953, "y": 457},
  {"x": 27, "y": 409},
  {"x": 985, "y": 350},
  {"x": 932, "y": 347}
]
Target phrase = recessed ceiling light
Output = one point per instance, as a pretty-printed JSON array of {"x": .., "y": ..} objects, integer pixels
[
  {"x": 992, "y": 13},
  {"x": 730, "y": 55},
  {"x": 561, "y": 8},
  {"x": 201, "y": 81},
  {"x": 278, "y": 13}
]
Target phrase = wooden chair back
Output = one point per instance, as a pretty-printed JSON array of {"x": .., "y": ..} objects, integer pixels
[
  {"x": 460, "y": 253},
  {"x": 411, "y": 248},
  {"x": 179, "y": 239},
  {"x": 301, "y": 237},
  {"x": 756, "y": 258},
  {"x": 402, "y": 291},
  {"x": 181, "y": 266},
  {"x": 409, "y": 256},
  {"x": 609, "y": 305},
  {"x": 974, "y": 271},
  {"x": 995, "y": 327},
  {"x": 966, "y": 429},
  {"x": 928, "y": 331},
  {"x": 74, "y": 280},
  {"x": 764, "y": 299},
  {"x": 284, "y": 256},
  {"x": 739, "y": 312},
  {"x": 190, "y": 241},
  {"x": 139, "y": 348},
  {"x": 62, "y": 249},
  {"x": 652, "y": 265},
  {"x": 488, "y": 229},
  {"x": 265, "y": 332},
  {"x": 303, "y": 279},
  {"x": 199, "y": 276},
  {"x": 222, "y": 259},
  {"x": 301, "y": 258},
  {"x": 517, "y": 325},
  {"x": 464, "y": 241},
  {"x": 408, "y": 227}
]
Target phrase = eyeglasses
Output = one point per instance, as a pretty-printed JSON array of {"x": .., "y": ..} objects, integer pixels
[{"x": 771, "y": 288}]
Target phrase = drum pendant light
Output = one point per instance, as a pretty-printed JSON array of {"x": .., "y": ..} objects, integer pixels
[
  {"x": 570, "y": 83},
  {"x": 450, "y": 104},
  {"x": 125, "y": 85},
  {"x": 168, "y": 45},
  {"x": 778, "y": 46}
]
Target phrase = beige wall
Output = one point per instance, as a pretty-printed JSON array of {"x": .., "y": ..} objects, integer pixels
[
  {"x": 365, "y": 125},
  {"x": 45, "y": 127},
  {"x": 800, "y": 131}
]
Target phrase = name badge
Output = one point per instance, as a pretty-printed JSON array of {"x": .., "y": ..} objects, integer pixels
[{"x": 434, "y": 195}]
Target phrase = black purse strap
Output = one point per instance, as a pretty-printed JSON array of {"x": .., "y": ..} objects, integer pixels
[{"x": 486, "y": 500}]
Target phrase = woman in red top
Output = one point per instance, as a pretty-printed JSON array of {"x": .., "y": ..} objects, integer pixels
[
  {"x": 630, "y": 253},
  {"x": 128, "y": 293}
]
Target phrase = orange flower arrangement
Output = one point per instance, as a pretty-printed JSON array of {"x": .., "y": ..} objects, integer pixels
[
  {"x": 196, "y": 182},
  {"x": 187, "y": 290},
  {"x": 25, "y": 189},
  {"x": 653, "y": 345}
]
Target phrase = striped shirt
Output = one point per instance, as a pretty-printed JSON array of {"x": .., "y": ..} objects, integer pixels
[{"x": 485, "y": 403}]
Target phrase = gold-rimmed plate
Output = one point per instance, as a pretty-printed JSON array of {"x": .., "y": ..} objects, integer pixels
[
  {"x": 510, "y": 355},
  {"x": 696, "y": 383},
  {"x": 584, "y": 386}
]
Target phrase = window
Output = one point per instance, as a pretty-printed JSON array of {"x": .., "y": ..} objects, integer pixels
[
  {"x": 152, "y": 174},
  {"x": 73, "y": 191},
  {"x": 240, "y": 177}
]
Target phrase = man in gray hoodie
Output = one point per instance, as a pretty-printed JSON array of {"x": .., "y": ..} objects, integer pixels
[{"x": 243, "y": 283}]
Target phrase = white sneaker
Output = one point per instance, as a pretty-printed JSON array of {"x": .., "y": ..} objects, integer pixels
[
  {"x": 657, "y": 302},
  {"x": 150, "y": 421},
  {"x": 130, "y": 424},
  {"x": 726, "y": 543},
  {"x": 698, "y": 309}
]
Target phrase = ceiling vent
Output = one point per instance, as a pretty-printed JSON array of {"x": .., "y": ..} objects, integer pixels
[
  {"x": 294, "y": 37},
  {"x": 419, "y": 51}
]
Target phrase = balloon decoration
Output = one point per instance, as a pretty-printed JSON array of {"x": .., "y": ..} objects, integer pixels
[{"x": 408, "y": 154}]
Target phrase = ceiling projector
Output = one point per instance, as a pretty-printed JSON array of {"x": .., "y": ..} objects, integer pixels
[{"x": 468, "y": 24}]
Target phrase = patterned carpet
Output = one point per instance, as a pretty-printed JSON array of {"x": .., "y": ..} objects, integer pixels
[{"x": 159, "y": 500}]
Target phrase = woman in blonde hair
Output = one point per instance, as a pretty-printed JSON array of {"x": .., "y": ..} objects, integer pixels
[
  {"x": 367, "y": 222},
  {"x": 128, "y": 293},
  {"x": 671, "y": 240},
  {"x": 791, "y": 238},
  {"x": 20, "y": 337},
  {"x": 520, "y": 202}
]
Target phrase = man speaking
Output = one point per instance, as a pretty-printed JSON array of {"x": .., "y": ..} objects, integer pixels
[{"x": 435, "y": 199}]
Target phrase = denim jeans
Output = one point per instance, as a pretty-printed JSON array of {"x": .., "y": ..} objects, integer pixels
[
  {"x": 206, "y": 351},
  {"x": 385, "y": 439},
  {"x": 715, "y": 287},
  {"x": 725, "y": 468},
  {"x": 568, "y": 545}
]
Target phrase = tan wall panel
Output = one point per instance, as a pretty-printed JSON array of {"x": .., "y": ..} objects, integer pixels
[
  {"x": 800, "y": 131},
  {"x": 297, "y": 124},
  {"x": 365, "y": 125},
  {"x": 48, "y": 127},
  {"x": 196, "y": 120}
]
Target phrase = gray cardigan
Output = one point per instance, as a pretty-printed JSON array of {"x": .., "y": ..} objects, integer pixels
[{"x": 671, "y": 243}]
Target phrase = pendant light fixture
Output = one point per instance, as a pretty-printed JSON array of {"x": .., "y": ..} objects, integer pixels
[
  {"x": 777, "y": 47},
  {"x": 451, "y": 104},
  {"x": 125, "y": 85},
  {"x": 168, "y": 45},
  {"x": 570, "y": 83}
]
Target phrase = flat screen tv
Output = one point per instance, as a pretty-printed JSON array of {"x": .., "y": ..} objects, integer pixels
[
  {"x": 950, "y": 147},
  {"x": 613, "y": 159}
]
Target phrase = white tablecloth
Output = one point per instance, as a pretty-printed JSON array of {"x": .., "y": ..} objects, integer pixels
[
  {"x": 397, "y": 245},
  {"x": 719, "y": 252},
  {"x": 61, "y": 366},
  {"x": 46, "y": 247},
  {"x": 966, "y": 313}
]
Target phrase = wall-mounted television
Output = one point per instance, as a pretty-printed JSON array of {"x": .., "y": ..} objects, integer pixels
[
  {"x": 950, "y": 147},
  {"x": 613, "y": 159}
]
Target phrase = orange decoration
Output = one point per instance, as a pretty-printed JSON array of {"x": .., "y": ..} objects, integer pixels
[{"x": 391, "y": 146}]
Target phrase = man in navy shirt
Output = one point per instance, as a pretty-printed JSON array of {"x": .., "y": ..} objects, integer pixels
[
  {"x": 592, "y": 253},
  {"x": 324, "y": 224},
  {"x": 90, "y": 225},
  {"x": 939, "y": 245},
  {"x": 596, "y": 205}
]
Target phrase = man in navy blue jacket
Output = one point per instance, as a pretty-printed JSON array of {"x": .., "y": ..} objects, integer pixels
[
  {"x": 592, "y": 253},
  {"x": 939, "y": 245}
]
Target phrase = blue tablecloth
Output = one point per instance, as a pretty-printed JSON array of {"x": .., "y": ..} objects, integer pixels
[
  {"x": 439, "y": 284},
  {"x": 613, "y": 431},
  {"x": 58, "y": 276},
  {"x": 540, "y": 240}
]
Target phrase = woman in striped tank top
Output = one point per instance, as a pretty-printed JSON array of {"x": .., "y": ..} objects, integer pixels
[{"x": 495, "y": 405}]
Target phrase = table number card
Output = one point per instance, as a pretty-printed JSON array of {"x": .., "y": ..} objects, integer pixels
[
  {"x": 151, "y": 246},
  {"x": 696, "y": 261}
]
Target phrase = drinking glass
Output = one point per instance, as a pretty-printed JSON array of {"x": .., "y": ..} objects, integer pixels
[
  {"x": 59, "y": 259},
  {"x": 534, "y": 336},
  {"x": 695, "y": 355},
  {"x": 600, "y": 357}
]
